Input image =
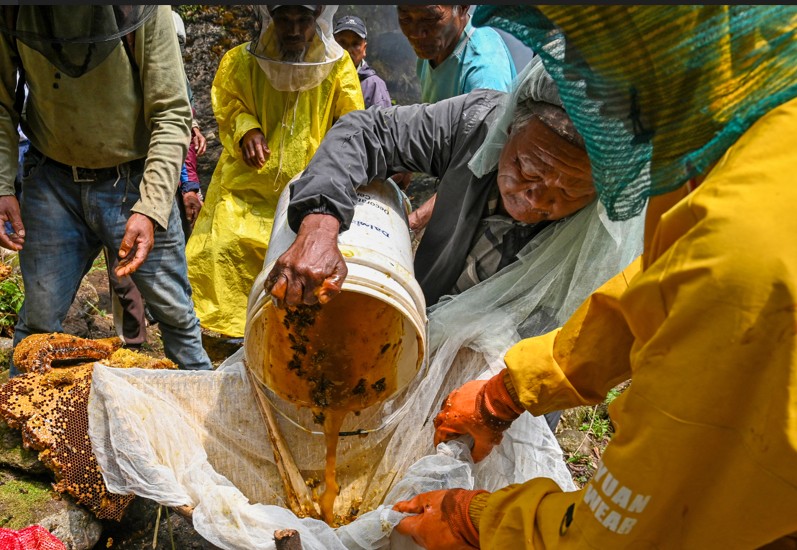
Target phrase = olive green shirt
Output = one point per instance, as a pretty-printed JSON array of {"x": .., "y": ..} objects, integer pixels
[{"x": 113, "y": 114}]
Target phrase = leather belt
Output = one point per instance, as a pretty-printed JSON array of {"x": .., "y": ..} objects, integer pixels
[{"x": 89, "y": 175}]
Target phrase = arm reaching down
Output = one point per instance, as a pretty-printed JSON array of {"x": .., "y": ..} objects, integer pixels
[{"x": 312, "y": 270}]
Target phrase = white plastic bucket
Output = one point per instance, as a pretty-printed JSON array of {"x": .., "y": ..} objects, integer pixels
[{"x": 378, "y": 254}]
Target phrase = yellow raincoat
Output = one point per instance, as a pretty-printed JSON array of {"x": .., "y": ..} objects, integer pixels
[
  {"x": 705, "y": 452},
  {"x": 229, "y": 242}
]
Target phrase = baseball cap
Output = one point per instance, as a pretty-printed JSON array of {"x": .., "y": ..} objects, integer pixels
[{"x": 351, "y": 23}]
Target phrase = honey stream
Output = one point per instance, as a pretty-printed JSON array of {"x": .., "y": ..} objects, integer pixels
[
  {"x": 333, "y": 359},
  {"x": 332, "y": 426}
]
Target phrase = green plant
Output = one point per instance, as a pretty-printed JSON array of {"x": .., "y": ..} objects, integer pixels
[
  {"x": 613, "y": 394},
  {"x": 11, "y": 297},
  {"x": 188, "y": 12},
  {"x": 576, "y": 458},
  {"x": 597, "y": 423},
  {"x": 600, "y": 427},
  {"x": 98, "y": 263}
]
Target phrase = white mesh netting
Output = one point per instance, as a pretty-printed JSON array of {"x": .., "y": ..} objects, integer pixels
[{"x": 197, "y": 438}]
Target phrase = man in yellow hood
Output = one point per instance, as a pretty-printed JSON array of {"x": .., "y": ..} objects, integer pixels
[
  {"x": 694, "y": 108},
  {"x": 274, "y": 99}
]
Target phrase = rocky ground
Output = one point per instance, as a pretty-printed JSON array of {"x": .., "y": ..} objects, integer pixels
[{"x": 25, "y": 493}]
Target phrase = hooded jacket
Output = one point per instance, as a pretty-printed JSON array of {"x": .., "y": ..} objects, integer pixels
[{"x": 374, "y": 88}]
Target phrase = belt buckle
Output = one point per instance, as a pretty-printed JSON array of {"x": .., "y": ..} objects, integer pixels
[{"x": 77, "y": 179}]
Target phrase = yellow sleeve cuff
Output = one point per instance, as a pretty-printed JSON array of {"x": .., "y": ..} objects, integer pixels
[
  {"x": 243, "y": 123},
  {"x": 510, "y": 388}
]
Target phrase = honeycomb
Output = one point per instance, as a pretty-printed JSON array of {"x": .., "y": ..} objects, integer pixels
[
  {"x": 50, "y": 408},
  {"x": 38, "y": 352}
]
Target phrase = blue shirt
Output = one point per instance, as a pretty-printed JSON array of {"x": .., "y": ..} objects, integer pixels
[{"x": 480, "y": 60}]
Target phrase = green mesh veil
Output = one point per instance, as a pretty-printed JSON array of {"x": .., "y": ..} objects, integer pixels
[{"x": 658, "y": 92}]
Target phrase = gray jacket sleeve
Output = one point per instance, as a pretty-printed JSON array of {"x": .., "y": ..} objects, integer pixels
[{"x": 373, "y": 143}]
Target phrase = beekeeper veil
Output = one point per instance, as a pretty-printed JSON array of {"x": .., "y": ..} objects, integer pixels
[
  {"x": 533, "y": 83},
  {"x": 291, "y": 62},
  {"x": 554, "y": 273},
  {"x": 75, "y": 38}
]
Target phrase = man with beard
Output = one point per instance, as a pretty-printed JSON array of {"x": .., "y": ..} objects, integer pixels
[{"x": 274, "y": 99}]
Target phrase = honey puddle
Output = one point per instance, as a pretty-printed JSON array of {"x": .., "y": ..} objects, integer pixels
[{"x": 333, "y": 359}]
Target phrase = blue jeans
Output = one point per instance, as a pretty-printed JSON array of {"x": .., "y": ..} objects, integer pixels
[{"x": 66, "y": 226}]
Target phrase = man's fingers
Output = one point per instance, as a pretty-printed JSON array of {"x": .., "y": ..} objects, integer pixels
[
  {"x": 294, "y": 296},
  {"x": 445, "y": 433},
  {"x": 130, "y": 265},
  {"x": 12, "y": 231},
  {"x": 330, "y": 288},
  {"x": 127, "y": 269},
  {"x": 332, "y": 285},
  {"x": 16, "y": 224},
  {"x": 412, "y": 506},
  {"x": 128, "y": 241},
  {"x": 6, "y": 242},
  {"x": 261, "y": 156},
  {"x": 200, "y": 143},
  {"x": 278, "y": 289},
  {"x": 311, "y": 295},
  {"x": 409, "y": 526},
  {"x": 480, "y": 450},
  {"x": 192, "y": 206},
  {"x": 9, "y": 238}
]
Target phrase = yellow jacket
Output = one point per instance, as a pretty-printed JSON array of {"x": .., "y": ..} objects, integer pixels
[
  {"x": 705, "y": 450},
  {"x": 229, "y": 242}
]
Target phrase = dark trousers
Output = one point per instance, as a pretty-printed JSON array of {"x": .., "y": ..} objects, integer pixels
[{"x": 134, "y": 321}]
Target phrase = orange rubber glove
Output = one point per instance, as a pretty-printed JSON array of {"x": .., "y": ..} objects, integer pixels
[
  {"x": 442, "y": 522},
  {"x": 484, "y": 409}
]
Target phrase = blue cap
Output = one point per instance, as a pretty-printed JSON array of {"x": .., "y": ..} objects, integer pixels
[{"x": 351, "y": 23}]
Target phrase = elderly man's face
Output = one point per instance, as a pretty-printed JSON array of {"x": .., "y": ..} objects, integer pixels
[
  {"x": 352, "y": 43},
  {"x": 433, "y": 31},
  {"x": 295, "y": 29},
  {"x": 542, "y": 176}
]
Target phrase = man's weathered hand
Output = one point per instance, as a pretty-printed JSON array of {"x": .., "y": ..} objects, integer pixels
[
  {"x": 402, "y": 179},
  {"x": 139, "y": 235},
  {"x": 254, "y": 148},
  {"x": 193, "y": 204},
  {"x": 312, "y": 270},
  {"x": 420, "y": 216},
  {"x": 12, "y": 232},
  {"x": 199, "y": 141}
]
